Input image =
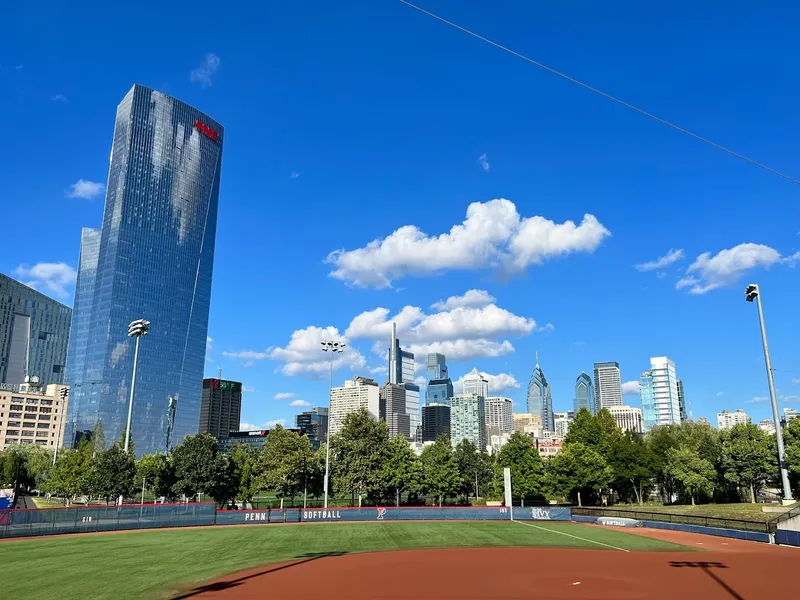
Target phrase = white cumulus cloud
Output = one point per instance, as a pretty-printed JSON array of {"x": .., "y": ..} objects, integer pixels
[
  {"x": 670, "y": 257},
  {"x": 493, "y": 236},
  {"x": 85, "y": 189},
  {"x": 796, "y": 380},
  {"x": 299, "y": 404},
  {"x": 483, "y": 161},
  {"x": 471, "y": 298},
  {"x": 54, "y": 279},
  {"x": 206, "y": 70},
  {"x": 497, "y": 383},
  {"x": 630, "y": 388},
  {"x": 243, "y": 426},
  {"x": 283, "y": 396},
  {"x": 709, "y": 272},
  {"x": 303, "y": 354}
]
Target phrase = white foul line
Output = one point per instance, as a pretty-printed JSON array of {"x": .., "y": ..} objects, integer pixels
[{"x": 572, "y": 536}]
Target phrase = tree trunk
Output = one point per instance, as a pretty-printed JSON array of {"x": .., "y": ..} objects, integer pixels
[
  {"x": 579, "y": 499},
  {"x": 398, "y": 498},
  {"x": 692, "y": 497},
  {"x": 752, "y": 494},
  {"x": 637, "y": 491}
]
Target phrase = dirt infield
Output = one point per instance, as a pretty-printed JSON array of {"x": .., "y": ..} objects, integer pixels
[{"x": 515, "y": 573}]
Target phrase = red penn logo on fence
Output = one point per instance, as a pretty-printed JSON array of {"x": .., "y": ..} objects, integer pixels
[{"x": 206, "y": 130}]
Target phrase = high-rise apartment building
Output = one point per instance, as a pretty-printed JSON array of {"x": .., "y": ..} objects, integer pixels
[
  {"x": 499, "y": 415},
  {"x": 607, "y": 385},
  {"x": 682, "y": 403},
  {"x": 728, "y": 420},
  {"x": 220, "y": 407},
  {"x": 468, "y": 420},
  {"x": 584, "y": 394},
  {"x": 33, "y": 414},
  {"x": 154, "y": 261},
  {"x": 628, "y": 418},
  {"x": 659, "y": 394},
  {"x": 789, "y": 414},
  {"x": 34, "y": 330},
  {"x": 360, "y": 392},
  {"x": 540, "y": 400},
  {"x": 393, "y": 410},
  {"x": 474, "y": 383},
  {"x": 437, "y": 366},
  {"x": 562, "y": 422},
  {"x": 401, "y": 372},
  {"x": 435, "y": 421},
  {"x": 315, "y": 424}
]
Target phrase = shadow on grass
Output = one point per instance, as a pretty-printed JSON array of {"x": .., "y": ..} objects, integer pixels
[
  {"x": 706, "y": 568},
  {"x": 218, "y": 586}
]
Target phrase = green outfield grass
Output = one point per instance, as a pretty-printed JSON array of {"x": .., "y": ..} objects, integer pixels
[{"x": 156, "y": 564}]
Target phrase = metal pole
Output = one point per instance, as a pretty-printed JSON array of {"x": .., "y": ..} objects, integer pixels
[
  {"x": 787, "y": 490},
  {"x": 143, "y": 479},
  {"x": 130, "y": 404},
  {"x": 328, "y": 435}
]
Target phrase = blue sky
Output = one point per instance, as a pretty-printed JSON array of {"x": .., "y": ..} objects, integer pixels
[{"x": 361, "y": 122}]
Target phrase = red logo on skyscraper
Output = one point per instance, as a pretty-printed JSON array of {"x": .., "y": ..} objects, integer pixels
[{"x": 206, "y": 130}]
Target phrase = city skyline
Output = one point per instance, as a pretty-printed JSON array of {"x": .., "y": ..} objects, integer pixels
[{"x": 351, "y": 199}]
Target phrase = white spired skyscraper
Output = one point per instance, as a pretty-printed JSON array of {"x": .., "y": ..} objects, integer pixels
[
  {"x": 474, "y": 383},
  {"x": 607, "y": 385}
]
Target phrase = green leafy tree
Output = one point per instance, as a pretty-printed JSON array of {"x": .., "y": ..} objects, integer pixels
[
  {"x": 196, "y": 463},
  {"x": 439, "y": 470},
  {"x": 594, "y": 431},
  {"x": 747, "y": 457},
  {"x": 113, "y": 474},
  {"x": 791, "y": 437},
  {"x": 98, "y": 438},
  {"x": 246, "y": 460},
  {"x": 70, "y": 477},
  {"x": 283, "y": 462},
  {"x": 632, "y": 464},
  {"x": 358, "y": 452},
  {"x": 468, "y": 461},
  {"x": 131, "y": 445},
  {"x": 695, "y": 474},
  {"x": 402, "y": 470},
  {"x": 578, "y": 469},
  {"x": 227, "y": 483},
  {"x": 527, "y": 469},
  {"x": 157, "y": 474}
]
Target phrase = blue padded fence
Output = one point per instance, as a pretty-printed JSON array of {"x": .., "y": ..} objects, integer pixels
[
  {"x": 787, "y": 538},
  {"x": 754, "y": 536}
]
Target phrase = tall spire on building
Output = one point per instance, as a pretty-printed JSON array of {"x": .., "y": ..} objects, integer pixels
[{"x": 537, "y": 359}]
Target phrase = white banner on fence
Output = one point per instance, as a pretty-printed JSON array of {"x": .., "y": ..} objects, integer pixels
[{"x": 507, "y": 486}]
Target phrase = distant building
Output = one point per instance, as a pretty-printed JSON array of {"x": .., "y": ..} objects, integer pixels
[
  {"x": 540, "y": 399},
  {"x": 628, "y": 418},
  {"x": 474, "y": 383},
  {"x": 401, "y": 372},
  {"x": 659, "y": 394},
  {"x": 437, "y": 366},
  {"x": 253, "y": 439},
  {"x": 435, "y": 421},
  {"x": 549, "y": 448},
  {"x": 496, "y": 442},
  {"x": 607, "y": 385},
  {"x": 315, "y": 423},
  {"x": 682, "y": 403},
  {"x": 528, "y": 424},
  {"x": 767, "y": 426},
  {"x": 728, "y": 420},
  {"x": 499, "y": 416},
  {"x": 562, "y": 422},
  {"x": 468, "y": 420},
  {"x": 703, "y": 421},
  {"x": 584, "y": 394},
  {"x": 439, "y": 389},
  {"x": 34, "y": 331},
  {"x": 393, "y": 410},
  {"x": 789, "y": 414},
  {"x": 360, "y": 392},
  {"x": 220, "y": 407},
  {"x": 33, "y": 414}
]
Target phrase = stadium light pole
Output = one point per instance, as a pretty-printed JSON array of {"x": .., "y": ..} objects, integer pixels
[
  {"x": 333, "y": 348},
  {"x": 136, "y": 330},
  {"x": 753, "y": 293},
  {"x": 62, "y": 393}
]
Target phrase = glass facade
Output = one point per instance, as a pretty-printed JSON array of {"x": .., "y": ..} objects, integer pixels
[
  {"x": 584, "y": 394},
  {"x": 649, "y": 416},
  {"x": 154, "y": 262},
  {"x": 468, "y": 420},
  {"x": 34, "y": 332},
  {"x": 540, "y": 400},
  {"x": 439, "y": 391}
]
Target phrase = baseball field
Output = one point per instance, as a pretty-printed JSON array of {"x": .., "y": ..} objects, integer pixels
[{"x": 416, "y": 560}]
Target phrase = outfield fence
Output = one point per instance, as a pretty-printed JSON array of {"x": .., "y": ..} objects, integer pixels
[{"x": 678, "y": 519}]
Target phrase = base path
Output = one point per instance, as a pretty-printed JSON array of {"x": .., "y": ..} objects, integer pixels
[{"x": 511, "y": 573}]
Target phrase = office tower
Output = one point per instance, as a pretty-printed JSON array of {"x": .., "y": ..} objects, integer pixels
[
  {"x": 528, "y": 424},
  {"x": 584, "y": 394},
  {"x": 154, "y": 262},
  {"x": 562, "y": 422},
  {"x": 789, "y": 414},
  {"x": 360, "y": 392},
  {"x": 393, "y": 407},
  {"x": 540, "y": 400},
  {"x": 628, "y": 418},
  {"x": 767, "y": 426},
  {"x": 468, "y": 420},
  {"x": 437, "y": 367},
  {"x": 34, "y": 330},
  {"x": 435, "y": 421},
  {"x": 607, "y": 385},
  {"x": 682, "y": 402},
  {"x": 728, "y": 420},
  {"x": 474, "y": 383},
  {"x": 659, "y": 394},
  {"x": 499, "y": 415},
  {"x": 220, "y": 407},
  {"x": 401, "y": 372},
  {"x": 34, "y": 414},
  {"x": 315, "y": 424},
  {"x": 439, "y": 391}
]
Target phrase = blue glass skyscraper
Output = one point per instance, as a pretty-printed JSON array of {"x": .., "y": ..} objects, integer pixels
[
  {"x": 584, "y": 394},
  {"x": 540, "y": 399},
  {"x": 153, "y": 260}
]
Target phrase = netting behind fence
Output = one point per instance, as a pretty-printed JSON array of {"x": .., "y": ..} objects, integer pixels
[{"x": 50, "y": 521}]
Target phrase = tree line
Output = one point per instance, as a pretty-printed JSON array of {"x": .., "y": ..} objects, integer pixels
[{"x": 598, "y": 463}]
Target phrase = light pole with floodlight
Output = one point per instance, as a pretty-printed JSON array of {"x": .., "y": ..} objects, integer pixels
[
  {"x": 62, "y": 393},
  {"x": 333, "y": 348},
  {"x": 136, "y": 330},
  {"x": 753, "y": 293}
]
